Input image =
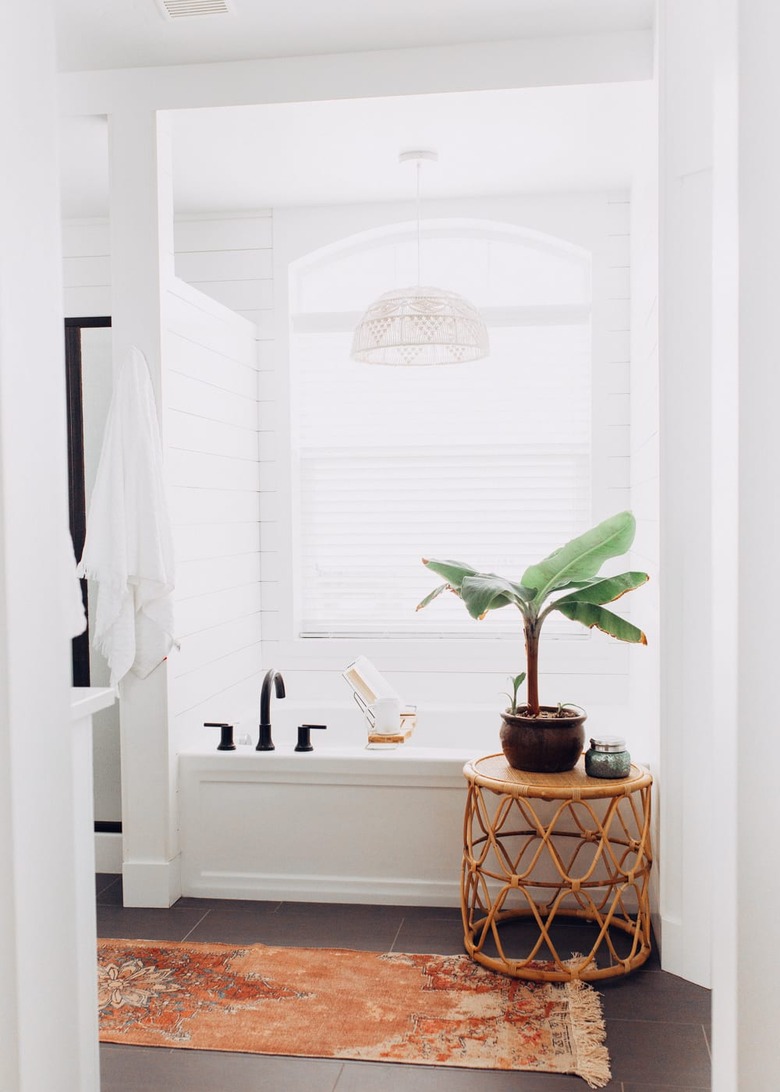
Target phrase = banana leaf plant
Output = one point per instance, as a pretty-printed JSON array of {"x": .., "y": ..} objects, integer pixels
[{"x": 570, "y": 574}]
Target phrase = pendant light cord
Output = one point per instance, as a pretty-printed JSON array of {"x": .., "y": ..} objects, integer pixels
[{"x": 419, "y": 247}]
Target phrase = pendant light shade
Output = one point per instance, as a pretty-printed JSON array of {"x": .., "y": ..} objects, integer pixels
[{"x": 419, "y": 326}]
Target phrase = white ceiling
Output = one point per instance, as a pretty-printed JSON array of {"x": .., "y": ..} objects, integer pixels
[
  {"x": 94, "y": 34},
  {"x": 489, "y": 142}
]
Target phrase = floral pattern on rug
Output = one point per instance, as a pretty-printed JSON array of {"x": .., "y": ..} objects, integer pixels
[
  {"x": 133, "y": 983},
  {"x": 136, "y": 994},
  {"x": 338, "y": 1003}
]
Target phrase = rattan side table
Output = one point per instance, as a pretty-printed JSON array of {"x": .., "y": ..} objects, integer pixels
[{"x": 556, "y": 847}]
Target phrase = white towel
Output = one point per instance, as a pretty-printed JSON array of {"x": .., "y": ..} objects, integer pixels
[
  {"x": 129, "y": 548},
  {"x": 73, "y": 605}
]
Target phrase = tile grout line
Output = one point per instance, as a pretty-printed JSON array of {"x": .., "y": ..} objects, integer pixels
[
  {"x": 707, "y": 1041},
  {"x": 195, "y": 926},
  {"x": 337, "y": 1082},
  {"x": 108, "y": 887},
  {"x": 397, "y": 934}
]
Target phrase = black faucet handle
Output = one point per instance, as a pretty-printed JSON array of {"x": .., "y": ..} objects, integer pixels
[
  {"x": 226, "y": 739},
  {"x": 304, "y": 739}
]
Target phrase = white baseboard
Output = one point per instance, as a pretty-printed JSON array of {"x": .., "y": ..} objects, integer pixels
[
  {"x": 108, "y": 853},
  {"x": 274, "y": 887},
  {"x": 678, "y": 955},
  {"x": 151, "y": 883},
  {"x": 657, "y": 923}
]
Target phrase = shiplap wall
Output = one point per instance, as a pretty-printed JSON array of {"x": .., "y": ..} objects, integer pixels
[
  {"x": 86, "y": 267},
  {"x": 230, "y": 259},
  {"x": 210, "y": 430},
  {"x": 211, "y": 438},
  {"x": 227, "y": 258}
]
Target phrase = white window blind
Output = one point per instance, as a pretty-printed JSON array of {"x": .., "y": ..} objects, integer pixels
[{"x": 487, "y": 463}]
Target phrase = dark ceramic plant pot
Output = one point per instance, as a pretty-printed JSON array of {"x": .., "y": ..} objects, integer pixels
[{"x": 544, "y": 744}]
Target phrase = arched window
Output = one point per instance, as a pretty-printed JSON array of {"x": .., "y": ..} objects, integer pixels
[{"x": 486, "y": 462}]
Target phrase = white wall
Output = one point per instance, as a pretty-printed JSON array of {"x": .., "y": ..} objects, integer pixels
[
  {"x": 41, "y": 1042},
  {"x": 725, "y": 852},
  {"x": 753, "y": 72},
  {"x": 230, "y": 258},
  {"x": 644, "y": 718},
  {"x": 211, "y": 450},
  {"x": 689, "y": 592},
  {"x": 468, "y": 675}
]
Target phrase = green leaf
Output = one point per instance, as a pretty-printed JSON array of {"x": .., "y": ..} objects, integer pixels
[
  {"x": 581, "y": 558},
  {"x": 516, "y": 681},
  {"x": 590, "y": 615},
  {"x": 486, "y": 591},
  {"x": 435, "y": 594},
  {"x": 574, "y": 585},
  {"x": 452, "y": 571},
  {"x": 607, "y": 590}
]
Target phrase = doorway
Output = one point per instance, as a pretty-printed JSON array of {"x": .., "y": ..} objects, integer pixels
[{"x": 88, "y": 371}]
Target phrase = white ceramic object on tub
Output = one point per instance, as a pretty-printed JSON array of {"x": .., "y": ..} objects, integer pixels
[{"x": 387, "y": 716}]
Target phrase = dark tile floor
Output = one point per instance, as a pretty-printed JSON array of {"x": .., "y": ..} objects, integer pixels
[{"x": 657, "y": 1024}]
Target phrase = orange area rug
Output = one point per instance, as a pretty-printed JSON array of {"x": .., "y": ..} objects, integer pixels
[{"x": 337, "y": 1003}]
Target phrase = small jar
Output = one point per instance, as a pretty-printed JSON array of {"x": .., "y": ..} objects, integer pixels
[{"x": 607, "y": 757}]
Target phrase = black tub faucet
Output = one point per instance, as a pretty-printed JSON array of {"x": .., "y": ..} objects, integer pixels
[
  {"x": 265, "y": 743},
  {"x": 304, "y": 737}
]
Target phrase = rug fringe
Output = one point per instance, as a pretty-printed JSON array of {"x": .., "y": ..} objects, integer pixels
[{"x": 589, "y": 1034}]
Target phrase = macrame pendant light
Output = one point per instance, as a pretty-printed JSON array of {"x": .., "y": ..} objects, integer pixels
[{"x": 421, "y": 325}]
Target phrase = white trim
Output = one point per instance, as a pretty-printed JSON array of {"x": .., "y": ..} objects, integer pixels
[
  {"x": 108, "y": 852},
  {"x": 87, "y": 700},
  {"x": 272, "y": 886},
  {"x": 672, "y": 944},
  {"x": 151, "y": 883},
  {"x": 482, "y": 66}
]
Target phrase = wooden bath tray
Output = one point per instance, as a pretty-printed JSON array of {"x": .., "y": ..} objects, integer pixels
[{"x": 408, "y": 724}]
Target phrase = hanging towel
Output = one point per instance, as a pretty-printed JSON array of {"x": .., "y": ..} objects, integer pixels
[
  {"x": 129, "y": 549},
  {"x": 73, "y": 605}
]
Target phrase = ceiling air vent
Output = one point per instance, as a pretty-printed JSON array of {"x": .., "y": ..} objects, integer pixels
[{"x": 187, "y": 9}]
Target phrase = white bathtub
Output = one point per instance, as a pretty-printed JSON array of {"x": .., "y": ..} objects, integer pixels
[{"x": 339, "y": 824}]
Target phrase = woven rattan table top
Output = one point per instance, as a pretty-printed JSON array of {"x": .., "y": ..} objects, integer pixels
[{"x": 494, "y": 772}]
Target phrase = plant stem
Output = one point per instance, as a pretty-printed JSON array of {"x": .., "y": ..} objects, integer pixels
[{"x": 532, "y": 666}]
